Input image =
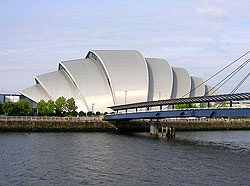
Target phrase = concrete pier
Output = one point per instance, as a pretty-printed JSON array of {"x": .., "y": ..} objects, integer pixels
[
  {"x": 154, "y": 128},
  {"x": 168, "y": 132}
]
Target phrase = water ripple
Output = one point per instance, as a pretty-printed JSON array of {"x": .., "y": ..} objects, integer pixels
[{"x": 194, "y": 158}]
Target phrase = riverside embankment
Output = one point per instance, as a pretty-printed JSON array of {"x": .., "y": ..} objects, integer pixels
[
  {"x": 185, "y": 124},
  {"x": 96, "y": 124},
  {"x": 54, "y": 124}
]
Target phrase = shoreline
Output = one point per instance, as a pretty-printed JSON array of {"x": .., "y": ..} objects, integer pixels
[
  {"x": 55, "y": 126},
  {"x": 119, "y": 126}
]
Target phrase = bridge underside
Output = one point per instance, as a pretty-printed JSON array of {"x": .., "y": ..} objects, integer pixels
[{"x": 230, "y": 112}]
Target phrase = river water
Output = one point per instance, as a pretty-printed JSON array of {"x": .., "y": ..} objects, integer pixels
[{"x": 192, "y": 158}]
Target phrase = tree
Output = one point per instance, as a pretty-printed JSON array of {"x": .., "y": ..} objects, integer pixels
[
  {"x": 20, "y": 108},
  {"x": 71, "y": 105},
  {"x": 81, "y": 113},
  {"x": 201, "y": 105},
  {"x": 98, "y": 113},
  {"x": 73, "y": 114},
  {"x": 223, "y": 104},
  {"x": 180, "y": 106},
  {"x": 23, "y": 108},
  {"x": 10, "y": 108},
  {"x": 89, "y": 113},
  {"x": 42, "y": 107},
  {"x": 50, "y": 107},
  {"x": 1, "y": 111},
  {"x": 46, "y": 108},
  {"x": 60, "y": 104}
]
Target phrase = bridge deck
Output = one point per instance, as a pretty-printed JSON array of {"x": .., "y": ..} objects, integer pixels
[
  {"x": 202, "y": 99},
  {"x": 228, "y": 112}
]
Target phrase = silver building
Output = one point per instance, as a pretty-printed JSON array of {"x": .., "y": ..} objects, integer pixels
[{"x": 113, "y": 77}]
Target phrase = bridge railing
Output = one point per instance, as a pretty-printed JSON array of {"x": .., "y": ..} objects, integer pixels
[
  {"x": 51, "y": 118},
  {"x": 205, "y": 119},
  {"x": 198, "y": 119},
  {"x": 169, "y": 109}
]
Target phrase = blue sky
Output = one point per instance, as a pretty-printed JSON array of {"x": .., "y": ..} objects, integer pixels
[{"x": 201, "y": 36}]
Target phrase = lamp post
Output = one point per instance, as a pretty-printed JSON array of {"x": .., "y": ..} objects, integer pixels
[
  {"x": 126, "y": 96},
  {"x": 93, "y": 104}
]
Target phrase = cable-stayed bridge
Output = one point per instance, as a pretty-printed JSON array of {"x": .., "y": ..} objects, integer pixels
[
  {"x": 165, "y": 108},
  {"x": 132, "y": 110}
]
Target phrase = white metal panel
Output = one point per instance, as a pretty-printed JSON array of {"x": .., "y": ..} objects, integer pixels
[
  {"x": 160, "y": 79},
  {"x": 181, "y": 83},
  {"x": 210, "y": 91},
  {"x": 91, "y": 83},
  {"x": 59, "y": 84},
  {"x": 197, "y": 87},
  {"x": 127, "y": 74},
  {"x": 35, "y": 93}
]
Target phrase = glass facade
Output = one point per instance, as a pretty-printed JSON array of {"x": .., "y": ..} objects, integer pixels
[
  {"x": 8, "y": 97},
  {"x": 1, "y": 98},
  {"x": 11, "y": 98}
]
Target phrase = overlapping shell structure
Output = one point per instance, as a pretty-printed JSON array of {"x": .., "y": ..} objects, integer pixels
[{"x": 113, "y": 77}]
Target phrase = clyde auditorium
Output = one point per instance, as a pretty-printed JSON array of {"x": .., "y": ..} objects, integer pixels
[{"x": 113, "y": 77}]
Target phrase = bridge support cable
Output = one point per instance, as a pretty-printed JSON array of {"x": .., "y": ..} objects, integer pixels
[
  {"x": 170, "y": 102},
  {"x": 229, "y": 76},
  {"x": 230, "y": 64},
  {"x": 236, "y": 88},
  {"x": 240, "y": 83}
]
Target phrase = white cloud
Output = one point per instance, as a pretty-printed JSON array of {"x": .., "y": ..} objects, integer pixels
[
  {"x": 211, "y": 11},
  {"x": 202, "y": 36}
]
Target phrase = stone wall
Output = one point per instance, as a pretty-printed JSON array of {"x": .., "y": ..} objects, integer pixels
[
  {"x": 55, "y": 126},
  {"x": 120, "y": 126}
]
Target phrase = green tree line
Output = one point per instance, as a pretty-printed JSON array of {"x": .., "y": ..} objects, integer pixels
[
  {"x": 20, "y": 108},
  {"x": 61, "y": 106},
  {"x": 201, "y": 105}
]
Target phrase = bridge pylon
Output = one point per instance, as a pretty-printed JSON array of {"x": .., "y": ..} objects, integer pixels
[{"x": 154, "y": 127}]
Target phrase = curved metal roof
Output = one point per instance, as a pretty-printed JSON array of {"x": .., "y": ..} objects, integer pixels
[
  {"x": 210, "y": 92},
  {"x": 197, "y": 87},
  {"x": 58, "y": 84},
  {"x": 181, "y": 83},
  {"x": 91, "y": 83},
  {"x": 35, "y": 93},
  {"x": 160, "y": 79},
  {"x": 111, "y": 77},
  {"x": 127, "y": 74}
]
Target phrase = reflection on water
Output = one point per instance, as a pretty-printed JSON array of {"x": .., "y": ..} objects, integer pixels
[
  {"x": 192, "y": 158},
  {"x": 231, "y": 139}
]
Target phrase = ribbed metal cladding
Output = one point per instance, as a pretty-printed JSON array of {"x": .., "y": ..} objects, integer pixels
[{"x": 201, "y": 99}]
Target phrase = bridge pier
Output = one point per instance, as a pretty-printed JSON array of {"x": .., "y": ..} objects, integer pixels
[
  {"x": 154, "y": 127},
  {"x": 168, "y": 132}
]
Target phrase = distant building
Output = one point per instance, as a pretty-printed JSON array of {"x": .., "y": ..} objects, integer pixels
[
  {"x": 15, "y": 98},
  {"x": 9, "y": 97},
  {"x": 239, "y": 104},
  {"x": 113, "y": 77}
]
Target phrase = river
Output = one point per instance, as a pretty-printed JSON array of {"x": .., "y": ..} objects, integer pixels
[{"x": 192, "y": 158}]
